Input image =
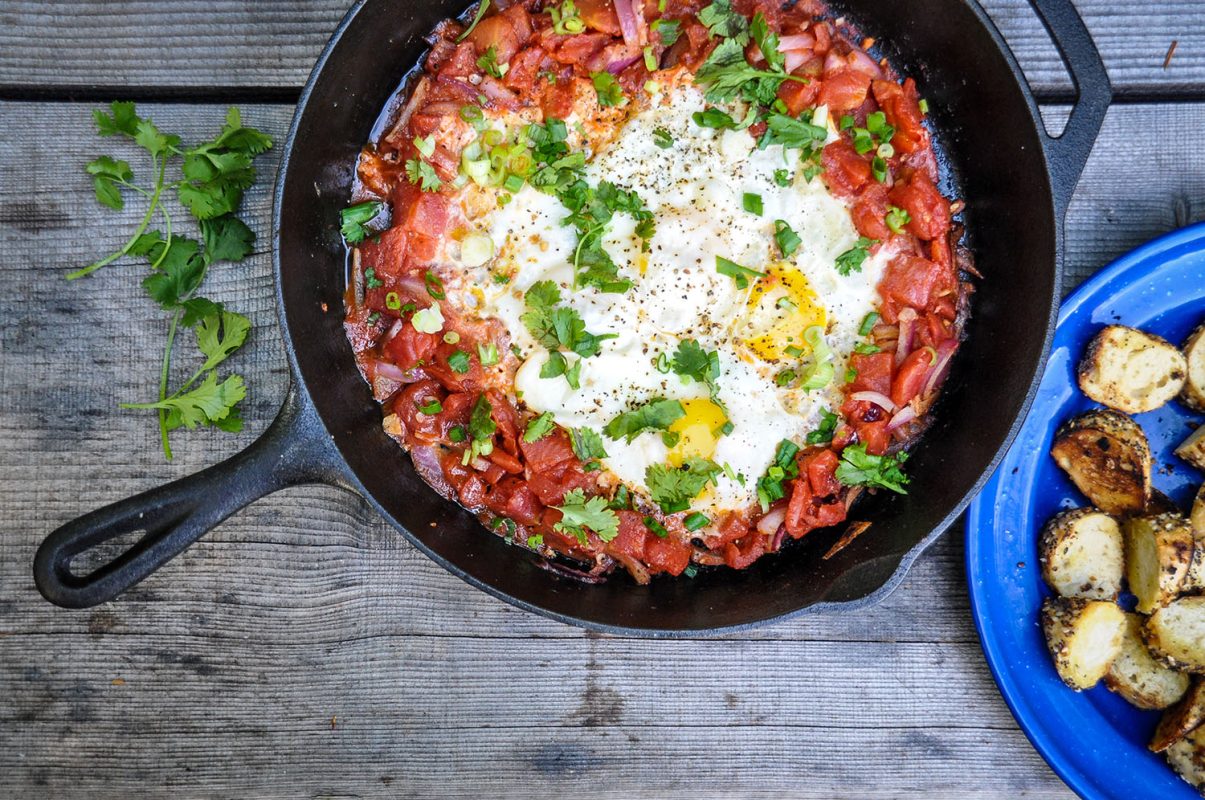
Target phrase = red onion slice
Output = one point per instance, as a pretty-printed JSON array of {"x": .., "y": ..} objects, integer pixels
[
  {"x": 945, "y": 352},
  {"x": 770, "y": 523},
  {"x": 860, "y": 62},
  {"x": 628, "y": 23},
  {"x": 795, "y": 59},
  {"x": 796, "y": 42},
  {"x": 881, "y": 400},
  {"x": 903, "y": 417},
  {"x": 387, "y": 369}
]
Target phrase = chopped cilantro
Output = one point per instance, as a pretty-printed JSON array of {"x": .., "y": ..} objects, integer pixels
[
  {"x": 859, "y": 468},
  {"x": 851, "y": 260},
  {"x": 539, "y": 427},
  {"x": 580, "y": 515},
  {"x": 657, "y": 414},
  {"x": 672, "y": 488}
]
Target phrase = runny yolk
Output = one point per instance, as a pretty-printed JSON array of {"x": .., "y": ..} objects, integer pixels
[
  {"x": 697, "y": 430},
  {"x": 780, "y": 307}
]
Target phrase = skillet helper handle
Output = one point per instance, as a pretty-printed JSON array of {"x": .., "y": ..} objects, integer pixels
[
  {"x": 295, "y": 449},
  {"x": 1067, "y": 154}
]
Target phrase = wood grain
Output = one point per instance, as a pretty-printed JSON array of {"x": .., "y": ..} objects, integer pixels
[
  {"x": 272, "y": 44},
  {"x": 304, "y": 649}
]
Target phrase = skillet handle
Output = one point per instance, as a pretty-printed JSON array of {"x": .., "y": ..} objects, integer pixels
[
  {"x": 1067, "y": 154},
  {"x": 295, "y": 449}
]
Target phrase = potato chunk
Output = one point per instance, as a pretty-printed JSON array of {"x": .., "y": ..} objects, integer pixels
[
  {"x": 1130, "y": 370},
  {"x": 1158, "y": 553},
  {"x": 1138, "y": 677},
  {"x": 1198, "y": 512},
  {"x": 1084, "y": 637},
  {"x": 1182, "y": 718},
  {"x": 1187, "y": 757},
  {"x": 1192, "y": 449},
  {"x": 1107, "y": 456},
  {"x": 1193, "y": 394},
  {"x": 1175, "y": 634},
  {"x": 1081, "y": 554}
]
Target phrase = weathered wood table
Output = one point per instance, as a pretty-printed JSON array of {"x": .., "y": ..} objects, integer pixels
[{"x": 304, "y": 649}]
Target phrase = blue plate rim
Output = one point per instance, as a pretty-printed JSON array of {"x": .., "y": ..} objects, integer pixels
[{"x": 1076, "y": 780}]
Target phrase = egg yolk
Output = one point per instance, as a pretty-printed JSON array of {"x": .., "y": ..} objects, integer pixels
[
  {"x": 780, "y": 307},
  {"x": 697, "y": 430}
]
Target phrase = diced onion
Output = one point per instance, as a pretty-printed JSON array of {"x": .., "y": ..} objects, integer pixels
[
  {"x": 476, "y": 249},
  {"x": 904, "y": 345},
  {"x": 428, "y": 320}
]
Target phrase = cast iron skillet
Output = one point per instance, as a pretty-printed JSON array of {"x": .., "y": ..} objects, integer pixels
[{"x": 1017, "y": 182}]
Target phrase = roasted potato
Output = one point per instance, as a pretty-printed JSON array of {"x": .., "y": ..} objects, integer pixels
[
  {"x": 1107, "y": 456},
  {"x": 1130, "y": 370},
  {"x": 1175, "y": 634},
  {"x": 1084, "y": 637},
  {"x": 1158, "y": 553},
  {"x": 1138, "y": 677},
  {"x": 1187, "y": 757},
  {"x": 1081, "y": 554},
  {"x": 1193, "y": 394},
  {"x": 1182, "y": 718},
  {"x": 1198, "y": 512},
  {"x": 1192, "y": 449}
]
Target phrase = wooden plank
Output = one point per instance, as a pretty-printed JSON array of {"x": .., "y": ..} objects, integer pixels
[
  {"x": 306, "y": 607},
  {"x": 272, "y": 44}
]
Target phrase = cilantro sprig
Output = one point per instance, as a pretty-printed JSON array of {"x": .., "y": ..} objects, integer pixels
[
  {"x": 656, "y": 414},
  {"x": 213, "y": 178},
  {"x": 672, "y": 488},
  {"x": 859, "y": 468},
  {"x": 580, "y": 516}
]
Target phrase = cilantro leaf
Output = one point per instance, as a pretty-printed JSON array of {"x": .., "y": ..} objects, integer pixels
[
  {"x": 151, "y": 139},
  {"x": 219, "y": 335},
  {"x": 355, "y": 220},
  {"x": 722, "y": 21},
  {"x": 123, "y": 120},
  {"x": 227, "y": 238},
  {"x": 587, "y": 444},
  {"x": 656, "y": 414},
  {"x": 106, "y": 174},
  {"x": 794, "y": 133},
  {"x": 207, "y": 404},
  {"x": 767, "y": 42},
  {"x": 558, "y": 327},
  {"x": 728, "y": 75},
  {"x": 608, "y": 89},
  {"x": 851, "y": 260},
  {"x": 580, "y": 515},
  {"x": 859, "y": 468},
  {"x": 692, "y": 361},
  {"x": 672, "y": 488},
  {"x": 180, "y": 271},
  {"x": 668, "y": 30},
  {"x": 197, "y": 308},
  {"x": 539, "y": 427},
  {"x": 422, "y": 173}
]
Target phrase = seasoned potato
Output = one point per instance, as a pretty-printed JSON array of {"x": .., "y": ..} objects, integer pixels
[
  {"x": 1130, "y": 370},
  {"x": 1187, "y": 757},
  {"x": 1198, "y": 512},
  {"x": 1138, "y": 677},
  {"x": 1081, "y": 554},
  {"x": 1108, "y": 458},
  {"x": 1192, "y": 449},
  {"x": 1158, "y": 552},
  {"x": 1084, "y": 637},
  {"x": 1193, "y": 394},
  {"x": 1175, "y": 634},
  {"x": 1182, "y": 718}
]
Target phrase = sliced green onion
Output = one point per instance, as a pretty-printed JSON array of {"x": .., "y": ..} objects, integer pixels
[
  {"x": 656, "y": 527},
  {"x": 431, "y": 407},
  {"x": 752, "y": 203},
  {"x": 451, "y": 337},
  {"x": 513, "y": 183},
  {"x": 428, "y": 320},
  {"x": 818, "y": 376},
  {"x": 695, "y": 521},
  {"x": 650, "y": 60},
  {"x": 868, "y": 323},
  {"x": 435, "y": 287},
  {"x": 457, "y": 433},
  {"x": 735, "y": 271},
  {"x": 392, "y": 301}
]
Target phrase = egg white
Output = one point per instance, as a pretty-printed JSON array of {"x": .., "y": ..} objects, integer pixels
[{"x": 694, "y": 190}]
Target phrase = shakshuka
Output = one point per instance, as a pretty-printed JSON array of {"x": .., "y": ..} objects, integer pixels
[{"x": 657, "y": 283}]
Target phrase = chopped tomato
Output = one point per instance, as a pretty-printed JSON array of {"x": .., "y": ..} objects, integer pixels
[
  {"x": 869, "y": 211},
  {"x": 580, "y": 48},
  {"x": 743, "y": 552},
  {"x": 630, "y": 541},
  {"x": 845, "y": 172},
  {"x": 599, "y": 15},
  {"x": 506, "y": 418},
  {"x": 424, "y": 427},
  {"x": 410, "y": 347},
  {"x": 524, "y": 70},
  {"x": 522, "y": 505},
  {"x": 472, "y": 492},
  {"x": 807, "y": 511},
  {"x": 820, "y": 467},
  {"x": 670, "y": 554},
  {"x": 506, "y": 461},
  {"x": 874, "y": 372},
  {"x": 901, "y": 106},
  {"x": 462, "y": 62},
  {"x": 912, "y": 374},
  {"x": 387, "y": 255},
  {"x": 498, "y": 33},
  {"x": 907, "y": 281},
  {"x": 548, "y": 452},
  {"x": 874, "y": 435},
  {"x": 798, "y": 96},
  {"x": 844, "y": 90},
  {"x": 930, "y": 212}
]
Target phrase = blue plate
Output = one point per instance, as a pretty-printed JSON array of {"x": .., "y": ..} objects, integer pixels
[{"x": 1094, "y": 740}]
